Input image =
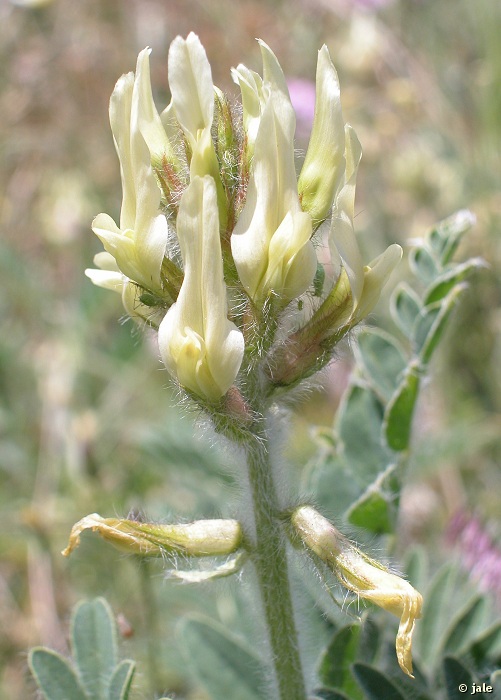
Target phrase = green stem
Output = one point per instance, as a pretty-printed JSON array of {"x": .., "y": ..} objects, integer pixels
[
  {"x": 151, "y": 610},
  {"x": 270, "y": 559}
]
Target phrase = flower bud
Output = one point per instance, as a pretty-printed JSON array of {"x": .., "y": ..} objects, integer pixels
[
  {"x": 198, "y": 344},
  {"x": 198, "y": 539},
  {"x": 364, "y": 576}
]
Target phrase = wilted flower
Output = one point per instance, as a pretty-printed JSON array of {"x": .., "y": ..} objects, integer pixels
[
  {"x": 364, "y": 576},
  {"x": 199, "y": 538}
]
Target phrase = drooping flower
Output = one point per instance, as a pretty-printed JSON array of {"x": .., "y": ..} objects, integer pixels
[
  {"x": 364, "y": 576},
  {"x": 199, "y": 538},
  {"x": 198, "y": 344}
]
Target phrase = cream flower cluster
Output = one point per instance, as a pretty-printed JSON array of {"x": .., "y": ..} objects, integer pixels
[{"x": 214, "y": 222}]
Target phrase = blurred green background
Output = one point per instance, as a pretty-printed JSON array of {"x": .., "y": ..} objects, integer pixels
[{"x": 88, "y": 421}]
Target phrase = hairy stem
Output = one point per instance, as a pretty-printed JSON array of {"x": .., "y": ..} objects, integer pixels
[{"x": 270, "y": 559}]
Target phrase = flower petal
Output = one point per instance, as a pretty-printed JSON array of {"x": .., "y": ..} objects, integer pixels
[{"x": 324, "y": 164}]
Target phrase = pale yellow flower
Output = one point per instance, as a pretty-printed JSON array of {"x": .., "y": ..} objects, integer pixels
[
  {"x": 138, "y": 244},
  {"x": 108, "y": 276},
  {"x": 324, "y": 164},
  {"x": 198, "y": 344},
  {"x": 365, "y": 281},
  {"x": 190, "y": 81},
  {"x": 271, "y": 241}
]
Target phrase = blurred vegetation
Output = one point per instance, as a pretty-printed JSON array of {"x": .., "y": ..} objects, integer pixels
[{"x": 87, "y": 419}]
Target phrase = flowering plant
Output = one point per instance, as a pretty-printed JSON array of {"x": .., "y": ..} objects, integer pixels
[{"x": 216, "y": 251}]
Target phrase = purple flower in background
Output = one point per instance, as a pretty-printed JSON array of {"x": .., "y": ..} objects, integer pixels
[
  {"x": 480, "y": 555},
  {"x": 302, "y": 94}
]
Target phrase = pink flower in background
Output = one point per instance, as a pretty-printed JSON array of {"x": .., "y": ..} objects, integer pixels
[
  {"x": 372, "y": 4},
  {"x": 345, "y": 6},
  {"x": 480, "y": 555},
  {"x": 302, "y": 94}
]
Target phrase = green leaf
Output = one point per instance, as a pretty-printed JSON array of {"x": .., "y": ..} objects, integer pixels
[
  {"x": 416, "y": 567},
  {"x": 486, "y": 645},
  {"x": 369, "y": 641},
  {"x": 375, "y": 509},
  {"x": 435, "y": 615},
  {"x": 335, "y": 665},
  {"x": 54, "y": 675},
  {"x": 405, "y": 306},
  {"x": 334, "y": 484},
  {"x": 359, "y": 426},
  {"x": 463, "y": 628},
  {"x": 457, "y": 675},
  {"x": 94, "y": 645},
  {"x": 121, "y": 680},
  {"x": 431, "y": 323},
  {"x": 423, "y": 264},
  {"x": 221, "y": 662},
  {"x": 329, "y": 694},
  {"x": 382, "y": 359},
  {"x": 446, "y": 281},
  {"x": 397, "y": 424},
  {"x": 376, "y": 685},
  {"x": 444, "y": 238}
]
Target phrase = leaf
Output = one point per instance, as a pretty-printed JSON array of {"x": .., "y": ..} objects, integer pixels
[
  {"x": 405, "y": 305},
  {"x": 335, "y": 665},
  {"x": 444, "y": 238},
  {"x": 457, "y": 675},
  {"x": 221, "y": 662},
  {"x": 121, "y": 680},
  {"x": 376, "y": 685},
  {"x": 334, "y": 485},
  {"x": 431, "y": 323},
  {"x": 375, "y": 509},
  {"x": 463, "y": 628},
  {"x": 329, "y": 694},
  {"x": 54, "y": 675},
  {"x": 397, "y": 423},
  {"x": 422, "y": 264},
  {"x": 486, "y": 645},
  {"x": 446, "y": 281},
  {"x": 359, "y": 426},
  {"x": 369, "y": 641},
  {"x": 416, "y": 567},
  {"x": 382, "y": 359},
  {"x": 94, "y": 645},
  {"x": 435, "y": 611}
]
